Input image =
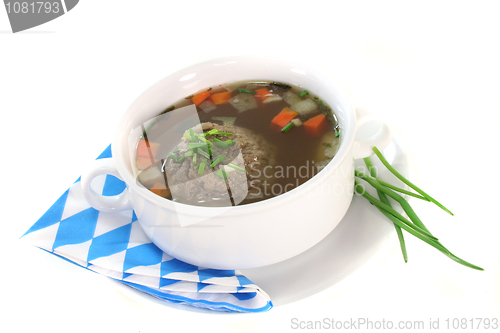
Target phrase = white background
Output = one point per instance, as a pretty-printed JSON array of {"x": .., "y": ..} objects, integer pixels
[{"x": 430, "y": 68}]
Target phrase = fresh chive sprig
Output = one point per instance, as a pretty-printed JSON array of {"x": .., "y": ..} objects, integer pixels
[
  {"x": 383, "y": 198},
  {"x": 397, "y": 189},
  {"x": 406, "y": 181},
  {"x": 415, "y": 227}
]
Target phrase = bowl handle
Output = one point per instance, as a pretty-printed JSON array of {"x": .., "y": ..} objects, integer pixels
[
  {"x": 370, "y": 131},
  {"x": 100, "y": 202}
]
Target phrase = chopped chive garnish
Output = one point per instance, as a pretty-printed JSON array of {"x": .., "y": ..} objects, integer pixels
[
  {"x": 337, "y": 133},
  {"x": 201, "y": 137},
  {"x": 203, "y": 153},
  {"x": 173, "y": 156},
  {"x": 193, "y": 145},
  {"x": 220, "y": 143},
  {"x": 230, "y": 142},
  {"x": 246, "y": 91},
  {"x": 201, "y": 168},
  {"x": 194, "y": 157},
  {"x": 235, "y": 167},
  {"x": 329, "y": 145},
  {"x": 304, "y": 93},
  {"x": 211, "y": 132},
  {"x": 287, "y": 127},
  {"x": 215, "y": 131},
  {"x": 189, "y": 153},
  {"x": 191, "y": 132},
  {"x": 187, "y": 136},
  {"x": 217, "y": 160}
]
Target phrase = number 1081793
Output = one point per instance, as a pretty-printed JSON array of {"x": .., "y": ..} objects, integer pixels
[{"x": 37, "y": 7}]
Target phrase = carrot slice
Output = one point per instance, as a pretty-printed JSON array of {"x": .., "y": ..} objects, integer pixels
[
  {"x": 315, "y": 125},
  {"x": 284, "y": 117},
  {"x": 197, "y": 99},
  {"x": 147, "y": 149},
  {"x": 160, "y": 189},
  {"x": 220, "y": 98},
  {"x": 262, "y": 94}
]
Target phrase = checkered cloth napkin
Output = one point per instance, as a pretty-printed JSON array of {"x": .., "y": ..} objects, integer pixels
[{"x": 114, "y": 244}]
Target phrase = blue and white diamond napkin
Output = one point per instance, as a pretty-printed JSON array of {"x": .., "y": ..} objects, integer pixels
[{"x": 114, "y": 245}]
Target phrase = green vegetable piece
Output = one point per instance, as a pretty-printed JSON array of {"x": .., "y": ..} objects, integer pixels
[
  {"x": 220, "y": 143},
  {"x": 203, "y": 153},
  {"x": 246, "y": 91},
  {"x": 304, "y": 93},
  {"x": 191, "y": 132},
  {"x": 235, "y": 167},
  {"x": 201, "y": 137},
  {"x": 187, "y": 136},
  {"x": 189, "y": 153},
  {"x": 201, "y": 168},
  {"x": 217, "y": 160},
  {"x": 337, "y": 133},
  {"x": 287, "y": 127},
  {"x": 173, "y": 156},
  {"x": 216, "y": 132},
  {"x": 202, "y": 145},
  {"x": 211, "y": 132}
]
